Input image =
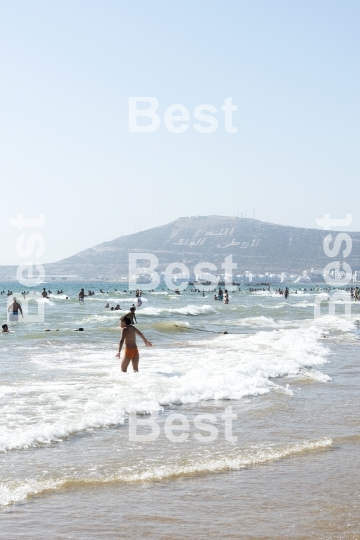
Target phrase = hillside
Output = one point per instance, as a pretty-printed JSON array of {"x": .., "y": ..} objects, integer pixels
[{"x": 255, "y": 245}]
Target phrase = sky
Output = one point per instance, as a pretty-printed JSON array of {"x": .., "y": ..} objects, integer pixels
[{"x": 68, "y": 69}]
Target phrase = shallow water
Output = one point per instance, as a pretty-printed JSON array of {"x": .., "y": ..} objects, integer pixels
[{"x": 292, "y": 382}]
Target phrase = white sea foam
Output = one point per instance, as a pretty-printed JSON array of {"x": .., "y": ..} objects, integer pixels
[
  {"x": 14, "y": 492},
  {"x": 302, "y": 304},
  {"x": 261, "y": 322},
  {"x": 234, "y": 460},
  {"x": 334, "y": 323},
  {"x": 276, "y": 306},
  {"x": 45, "y": 301},
  {"x": 96, "y": 394},
  {"x": 190, "y": 309},
  {"x": 117, "y": 300},
  {"x": 57, "y": 411},
  {"x": 313, "y": 375}
]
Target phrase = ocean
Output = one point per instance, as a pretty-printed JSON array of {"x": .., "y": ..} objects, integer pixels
[{"x": 253, "y": 433}]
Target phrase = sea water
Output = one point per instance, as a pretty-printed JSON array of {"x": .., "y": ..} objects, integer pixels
[{"x": 290, "y": 379}]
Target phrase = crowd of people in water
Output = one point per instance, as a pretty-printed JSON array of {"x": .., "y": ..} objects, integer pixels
[{"x": 128, "y": 330}]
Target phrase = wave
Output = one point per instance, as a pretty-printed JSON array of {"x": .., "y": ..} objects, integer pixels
[
  {"x": 224, "y": 367},
  {"x": 276, "y": 306},
  {"x": 313, "y": 375},
  {"x": 15, "y": 492},
  {"x": 262, "y": 321},
  {"x": 234, "y": 460},
  {"x": 334, "y": 323},
  {"x": 302, "y": 304},
  {"x": 62, "y": 422},
  {"x": 171, "y": 327},
  {"x": 116, "y": 299},
  {"x": 190, "y": 309}
]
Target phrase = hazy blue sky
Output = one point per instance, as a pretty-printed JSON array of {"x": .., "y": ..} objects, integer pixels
[{"x": 68, "y": 69}]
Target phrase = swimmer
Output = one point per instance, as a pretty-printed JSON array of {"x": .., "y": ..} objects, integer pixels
[
  {"x": 132, "y": 315},
  {"x": 5, "y": 329},
  {"x": 81, "y": 295},
  {"x": 14, "y": 309},
  {"x": 226, "y": 297},
  {"x": 44, "y": 294},
  {"x": 128, "y": 336}
]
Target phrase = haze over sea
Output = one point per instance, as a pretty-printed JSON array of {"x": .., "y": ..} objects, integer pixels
[{"x": 69, "y": 470}]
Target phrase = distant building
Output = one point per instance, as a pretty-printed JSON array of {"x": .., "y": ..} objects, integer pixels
[{"x": 62, "y": 277}]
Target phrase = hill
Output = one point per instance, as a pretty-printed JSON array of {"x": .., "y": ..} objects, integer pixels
[{"x": 256, "y": 246}]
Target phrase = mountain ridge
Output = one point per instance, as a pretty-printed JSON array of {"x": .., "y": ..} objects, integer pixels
[{"x": 256, "y": 246}]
